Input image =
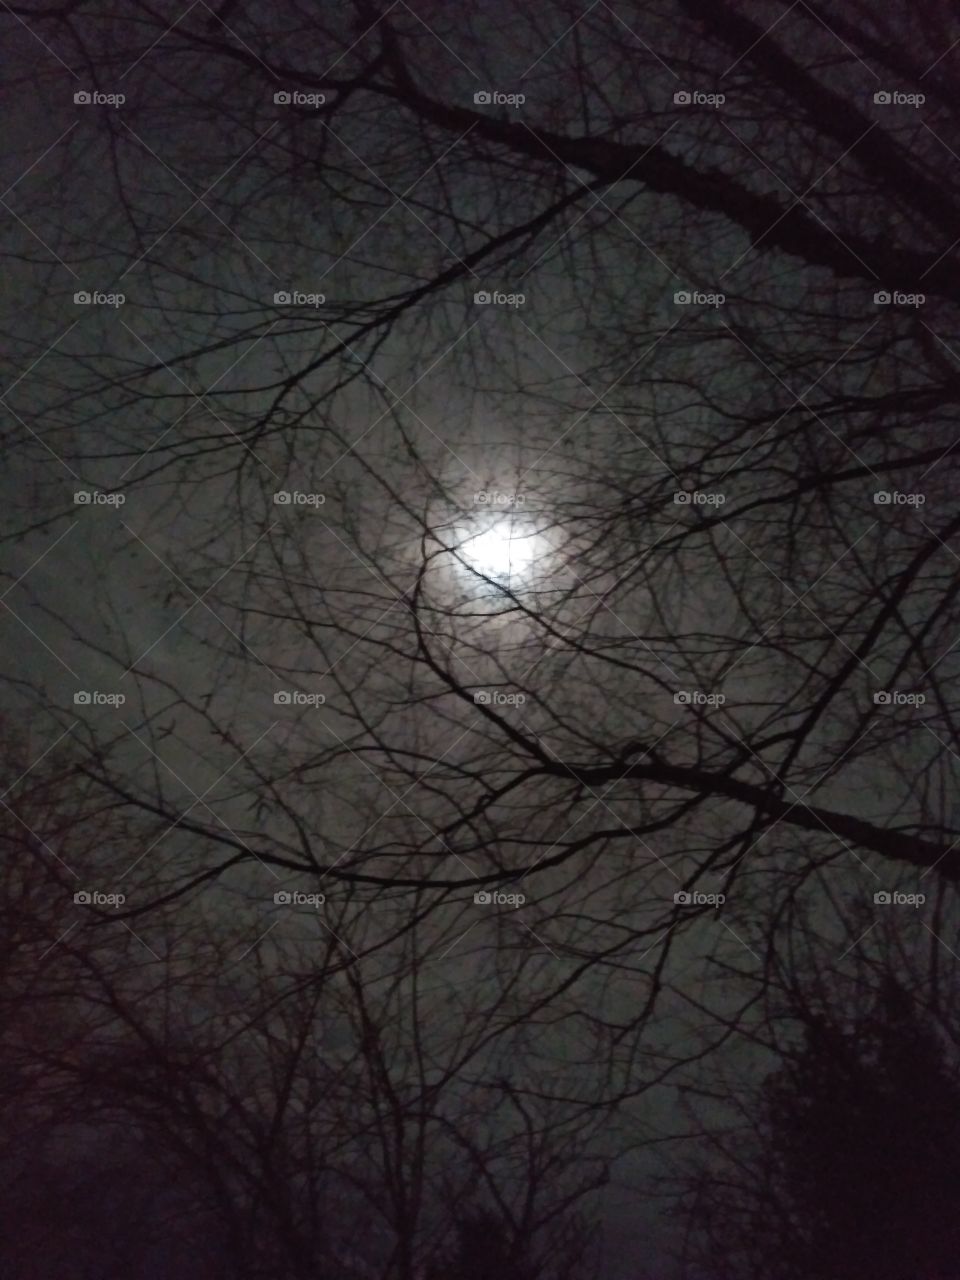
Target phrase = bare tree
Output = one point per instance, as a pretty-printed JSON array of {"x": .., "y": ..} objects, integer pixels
[
  {"x": 309, "y": 1113},
  {"x": 537, "y": 438}
]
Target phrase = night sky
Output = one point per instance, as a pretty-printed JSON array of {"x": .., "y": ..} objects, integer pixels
[{"x": 480, "y": 641}]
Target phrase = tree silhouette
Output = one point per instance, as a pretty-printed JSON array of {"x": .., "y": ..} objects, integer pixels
[
  {"x": 483, "y": 1250},
  {"x": 854, "y": 1164},
  {"x": 866, "y": 1129}
]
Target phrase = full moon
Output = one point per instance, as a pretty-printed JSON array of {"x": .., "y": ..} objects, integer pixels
[{"x": 506, "y": 549}]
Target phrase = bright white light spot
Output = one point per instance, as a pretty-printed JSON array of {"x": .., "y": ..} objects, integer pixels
[{"x": 505, "y": 549}]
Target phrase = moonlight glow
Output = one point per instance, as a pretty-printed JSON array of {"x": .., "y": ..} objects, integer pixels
[{"x": 507, "y": 549}]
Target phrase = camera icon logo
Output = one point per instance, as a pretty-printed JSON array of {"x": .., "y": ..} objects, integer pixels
[
  {"x": 682, "y": 698},
  {"x": 681, "y": 498},
  {"x": 282, "y": 98},
  {"x": 682, "y": 298},
  {"x": 82, "y": 898},
  {"x": 482, "y": 898},
  {"x": 682, "y": 98},
  {"x": 81, "y": 298},
  {"x": 482, "y": 298},
  {"x": 81, "y": 497},
  {"x": 81, "y": 698},
  {"x": 82, "y": 98},
  {"x": 881, "y": 498},
  {"x": 882, "y": 298},
  {"x": 481, "y": 697},
  {"x": 682, "y": 898},
  {"x": 282, "y": 298},
  {"x": 882, "y": 698},
  {"x": 882, "y": 97},
  {"x": 882, "y": 898},
  {"x": 282, "y": 898},
  {"x": 281, "y": 498},
  {"x": 282, "y": 698},
  {"x": 482, "y": 98}
]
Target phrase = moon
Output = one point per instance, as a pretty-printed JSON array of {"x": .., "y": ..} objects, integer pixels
[{"x": 507, "y": 549}]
